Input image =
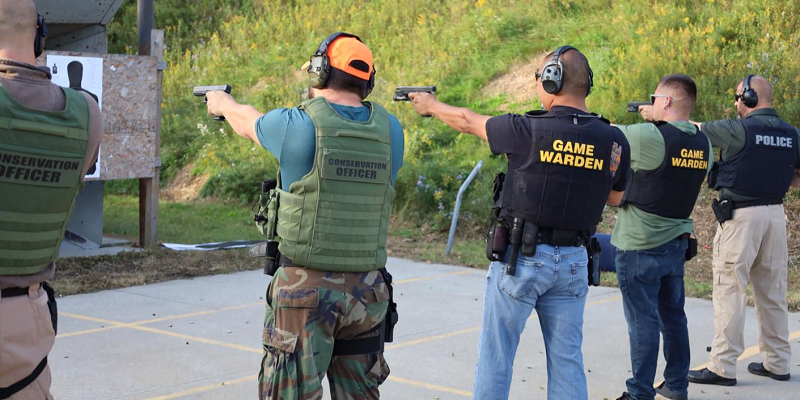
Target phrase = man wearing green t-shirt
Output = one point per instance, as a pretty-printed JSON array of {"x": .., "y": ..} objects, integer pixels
[
  {"x": 759, "y": 160},
  {"x": 669, "y": 159}
]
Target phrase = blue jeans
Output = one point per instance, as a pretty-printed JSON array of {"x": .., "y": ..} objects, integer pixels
[
  {"x": 651, "y": 282},
  {"x": 554, "y": 282}
]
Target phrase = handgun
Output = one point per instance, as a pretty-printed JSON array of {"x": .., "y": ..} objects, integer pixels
[
  {"x": 401, "y": 93},
  {"x": 202, "y": 90},
  {"x": 633, "y": 106}
]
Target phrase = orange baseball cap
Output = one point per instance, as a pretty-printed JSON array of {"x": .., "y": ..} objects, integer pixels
[{"x": 344, "y": 53}]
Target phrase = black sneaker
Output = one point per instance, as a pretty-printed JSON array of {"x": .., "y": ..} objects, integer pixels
[
  {"x": 664, "y": 391},
  {"x": 706, "y": 377},
  {"x": 758, "y": 369},
  {"x": 625, "y": 396}
]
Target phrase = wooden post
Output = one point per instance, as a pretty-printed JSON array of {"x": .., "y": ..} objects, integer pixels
[{"x": 148, "y": 187}]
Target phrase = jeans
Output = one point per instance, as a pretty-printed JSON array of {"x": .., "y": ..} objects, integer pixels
[
  {"x": 651, "y": 282},
  {"x": 554, "y": 282}
]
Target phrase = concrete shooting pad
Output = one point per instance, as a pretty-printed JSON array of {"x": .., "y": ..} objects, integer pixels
[{"x": 201, "y": 339}]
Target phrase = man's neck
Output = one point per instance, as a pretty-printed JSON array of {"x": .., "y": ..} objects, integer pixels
[
  {"x": 341, "y": 98},
  {"x": 570, "y": 101},
  {"x": 758, "y": 107},
  {"x": 19, "y": 55}
]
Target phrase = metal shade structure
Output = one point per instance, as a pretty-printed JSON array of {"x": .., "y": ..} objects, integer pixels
[{"x": 78, "y": 25}]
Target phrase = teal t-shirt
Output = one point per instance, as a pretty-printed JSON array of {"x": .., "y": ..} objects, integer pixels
[
  {"x": 636, "y": 229},
  {"x": 290, "y": 135}
]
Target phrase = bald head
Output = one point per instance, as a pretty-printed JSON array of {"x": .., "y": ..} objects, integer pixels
[
  {"x": 17, "y": 23},
  {"x": 762, "y": 87}
]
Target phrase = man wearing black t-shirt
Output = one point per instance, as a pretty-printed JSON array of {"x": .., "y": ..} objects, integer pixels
[{"x": 564, "y": 164}]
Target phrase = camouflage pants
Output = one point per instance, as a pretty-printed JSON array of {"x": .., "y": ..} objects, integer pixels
[{"x": 306, "y": 311}]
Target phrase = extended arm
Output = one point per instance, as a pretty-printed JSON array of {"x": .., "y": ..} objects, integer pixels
[
  {"x": 458, "y": 118},
  {"x": 242, "y": 118},
  {"x": 614, "y": 198}
]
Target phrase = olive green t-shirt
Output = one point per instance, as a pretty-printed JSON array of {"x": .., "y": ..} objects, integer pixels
[
  {"x": 730, "y": 137},
  {"x": 636, "y": 229}
]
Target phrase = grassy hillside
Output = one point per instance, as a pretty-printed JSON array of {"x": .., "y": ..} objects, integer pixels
[{"x": 258, "y": 46}]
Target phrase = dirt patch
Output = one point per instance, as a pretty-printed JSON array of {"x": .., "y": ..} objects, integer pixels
[
  {"x": 186, "y": 186},
  {"x": 518, "y": 84},
  {"x": 92, "y": 274}
]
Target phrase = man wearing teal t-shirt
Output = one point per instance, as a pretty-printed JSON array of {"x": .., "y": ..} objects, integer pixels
[
  {"x": 669, "y": 159},
  {"x": 339, "y": 156}
]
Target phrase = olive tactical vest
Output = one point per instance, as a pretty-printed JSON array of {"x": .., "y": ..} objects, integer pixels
[
  {"x": 336, "y": 217},
  {"x": 41, "y": 161}
]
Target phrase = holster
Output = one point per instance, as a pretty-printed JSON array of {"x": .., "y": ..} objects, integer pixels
[
  {"x": 593, "y": 251},
  {"x": 391, "y": 313},
  {"x": 529, "y": 239},
  {"x": 265, "y": 215},
  {"x": 723, "y": 210},
  {"x": 496, "y": 242},
  {"x": 497, "y": 193},
  {"x": 691, "y": 250}
]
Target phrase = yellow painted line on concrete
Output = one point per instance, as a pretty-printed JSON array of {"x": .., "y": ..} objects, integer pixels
[
  {"x": 257, "y": 350},
  {"x": 427, "y": 278},
  {"x": 116, "y": 325},
  {"x": 437, "y": 388},
  {"x": 478, "y": 328},
  {"x": 205, "y": 388}
]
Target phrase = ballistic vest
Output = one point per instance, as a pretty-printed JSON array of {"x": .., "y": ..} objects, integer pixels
[
  {"x": 336, "y": 217},
  {"x": 566, "y": 179},
  {"x": 765, "y": 166},
  {"x": 41, "y": 163},
  {"x": 671, "y": 189}
]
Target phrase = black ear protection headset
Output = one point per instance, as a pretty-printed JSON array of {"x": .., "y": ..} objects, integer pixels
[
  {"x": 319, "y": 67},
  {"x": 552, "y": 77},
  {"x": 749, "y": 96},
  {"x": 41, "y": 35}
]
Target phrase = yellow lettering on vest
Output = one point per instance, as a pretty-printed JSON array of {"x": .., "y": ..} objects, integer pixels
[
  {"x": 689, "y": 153},
  {"x": 598, "y": 164},
  {"x": 569, "y": 158},
  {"x": 546, "y": 156},
  {"x": 558, "y": 145},
  {"x": 557, "y": 159},
  {"x": 581, "y": 161},
  {"x": 580, "y": 148},
  {"x": 590, "y": 151}
]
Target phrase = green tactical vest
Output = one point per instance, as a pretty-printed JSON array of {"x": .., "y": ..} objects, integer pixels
[
  {"x": 337, "y": 216},
  {"x": 41, "y": 160}
]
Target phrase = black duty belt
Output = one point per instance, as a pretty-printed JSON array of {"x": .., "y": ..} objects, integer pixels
[
  {"x": 560, "y": 237},
  {"x": 284, "y": 261},
  {"x": 14, "y": 292},
  {"x": 753, "y": 203}
]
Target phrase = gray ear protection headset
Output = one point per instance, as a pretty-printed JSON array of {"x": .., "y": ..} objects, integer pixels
[
  {"x": 749, "y": 96},
  {"x": 319, "y": 67},
  {"x": 41, "y": 35},
  {"x": 552, "y": 77}
]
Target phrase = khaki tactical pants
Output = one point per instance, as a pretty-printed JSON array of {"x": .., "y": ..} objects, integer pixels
[
  {"x": 751, "y": 248},
  {"x": 307, "y": 311},
  {"x": 26, "y": 337}
]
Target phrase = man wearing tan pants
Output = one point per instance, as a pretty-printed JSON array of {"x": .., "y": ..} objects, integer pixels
[
  {"x": 758, "y": 162},
  {"x": 48, "y": 136}
]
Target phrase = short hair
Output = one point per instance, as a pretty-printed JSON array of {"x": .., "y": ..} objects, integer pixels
[
  {"x": 682, "y": 84},
  {"x": 762, "y": 87},
  {"x": 576, "y": 72},
  {"x": 340, "y": 80}
]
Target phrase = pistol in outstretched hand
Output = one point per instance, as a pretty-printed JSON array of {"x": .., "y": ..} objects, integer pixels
[
  {"x": 402, "y": 92},
  {"x": 633, "y": 106},
  {"x": 202, "y": 90}
]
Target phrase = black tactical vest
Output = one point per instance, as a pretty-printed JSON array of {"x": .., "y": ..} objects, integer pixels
[
  {"x": 671, "y": 189},
  {"x": 765, "y": 166},
  {"x": 566, "y": 179}
]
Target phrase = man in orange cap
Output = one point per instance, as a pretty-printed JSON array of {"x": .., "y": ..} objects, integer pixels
[{"x": 339, "y": 156}]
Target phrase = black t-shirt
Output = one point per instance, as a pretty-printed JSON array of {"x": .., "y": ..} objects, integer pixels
[{"x": 510, "y": 134}]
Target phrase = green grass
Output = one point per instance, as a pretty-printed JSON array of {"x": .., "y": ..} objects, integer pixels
[{"x": 192, "y": 222}]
